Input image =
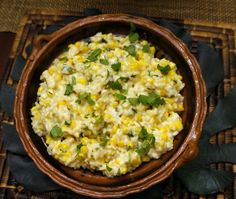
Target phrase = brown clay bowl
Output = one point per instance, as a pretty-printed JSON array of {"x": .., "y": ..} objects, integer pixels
[{"x": 47, "y": 47}]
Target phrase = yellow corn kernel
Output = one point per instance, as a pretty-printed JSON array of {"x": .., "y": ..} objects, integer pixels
[
  {"x": 151, "y": 80},
  {"x": 94, "y": 96},
  {"x": 93, "y": 141},
  {"x": 58, "y": 77},
  {"x": 131, "y": 144},
  {"x": 114, "y": 129},
  {"x": 64, "y": 146},
  {"x": 139, "y": 117},
  {"x": 136, "y": 161},
  {"x": 34, "y": 109},
  {"x": 121, "y": 143},
  {"x": 164, "y": 137},
  {"x": 61, "y": 103},
  {"x": 71, "y": 61},
  {"x": 51, "y": 70},
  {"x": 164, "y": 129},
  {"x": 48, "y": 139},
  {"x": 83, "y": 151},
  {"x": 64, "y": 128},
  {"x": 70, "y": 45},
  {"x": 82, "y": 80},
  {"x": 80, "y": 58},
  {"x": 113, "y": 141},
  {"x": 77, "y": 44},
  {"x": 73, "y": 124},
  {"x": 114, "y": 104},
  {"x": 84, "y": 140},
  {"x": 107, "y": 116},
  {"x": 117, "y": 161},
  {"x": 178, "y": 125},
  {"x": 125, "y": 129},
  {"x": 146, "y": 158},
  {"x": 123, "y": 170},
  {"x": 152, "y": 50},
  {"x": 40, "y": 90},
  {"x": 110, "y": 55},
  {"x": 89, "y": 109},
  {"x": 180, "y": 107}
]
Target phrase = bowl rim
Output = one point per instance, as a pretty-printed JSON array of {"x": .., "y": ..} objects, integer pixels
[{"x": 185, "y": 152}]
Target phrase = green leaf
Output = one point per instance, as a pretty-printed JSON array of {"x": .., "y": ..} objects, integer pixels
[
  {"x": 104, "y": 61},
  {"x": 79, "y": 147},
  {"x": 69, "y": 89},
  {"x": 67, "y": 70},
  {"x": 133, "y": 101},
  {"x": 109, "y": 169},
  {"x": 93, "y": 56},
  {"x": 131, "y": 49},
  {"x": 116, "y": 66},
  {"x": 223, "y": 117},
  {"x": 143, "y": 99},
  {"x": 56, "y": 132},
  {"x": 146, "y": 48},
  {"x": 133, "y": 37},
  {"x": 164, "y": 69},
  {"x": 202, "y": 180},
  {"x": 213, "y": 153},
  {"x": 115, "y": 85},
  {"x": 120, "y": 96}
]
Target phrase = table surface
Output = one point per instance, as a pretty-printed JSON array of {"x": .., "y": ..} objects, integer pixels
[{"x": 220, "y": 35}]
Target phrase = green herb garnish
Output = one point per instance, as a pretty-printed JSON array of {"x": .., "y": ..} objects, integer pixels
[
  {"x": 104, "y": 141},
  {"x": 56, "y": 132},
  {"x": 115, "y": 85},
  {"x": 133, "y": 36},
  {"x": 85, "y": 96},
  {"x": 148, "y": 141},
  {"x": 67, "y": 123},
  {"x": 116, "y": 66},
  {"x": 133, "y": 101},
  {"x": 124, "y": 79},
  {"x": 109, "y": 169},
  {"x": 79, "y": 147},
  {"x": 69, "y": 89},
  {"x": 93, "y": 56},
  {"x": 146, "y": 48},
  {"x": 164, "y": 69},
  {"x": 67, "y": 70},
  {"x": 90, "y": 100},
  {"x": 152, "y": 99},
  {"x": 131, "y": 50},
  {"x": 120, "y": 96},
  {"x": 73, "y": 81},
  {"x": 104, "y": 61}
]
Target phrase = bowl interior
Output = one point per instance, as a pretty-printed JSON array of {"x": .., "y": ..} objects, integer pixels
[{"x": 168, "y": 51}]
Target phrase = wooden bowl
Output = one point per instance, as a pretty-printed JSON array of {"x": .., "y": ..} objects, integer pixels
[{"x": 47, "y": 47}]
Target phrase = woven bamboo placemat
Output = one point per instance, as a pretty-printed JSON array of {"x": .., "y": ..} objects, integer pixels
[
  {"x": 213, "y": 11},
  {"x": 221, "y": 36}
]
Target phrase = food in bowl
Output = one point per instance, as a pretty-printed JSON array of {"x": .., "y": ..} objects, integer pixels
[{"x": 107, "y": 104}]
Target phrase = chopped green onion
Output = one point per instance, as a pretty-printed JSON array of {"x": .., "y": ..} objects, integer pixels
[
  {"x": 90, "y": 100},
  {"x": 93, "y": 56},
  {"x": 164, "y": 69},
  {"x": 104, "y": 141},
  {"x": 124, "y": 79},
  {"x": 56, "y": 132},
  {"x": 104, "y": 61},
  {"x": 116, "y": 66},
  {"x": 120, "y": 96}
]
